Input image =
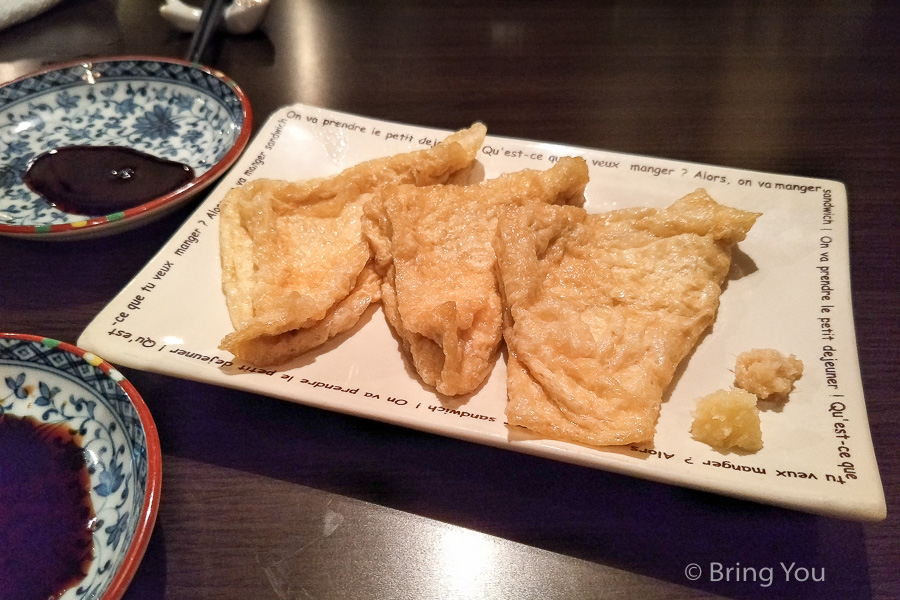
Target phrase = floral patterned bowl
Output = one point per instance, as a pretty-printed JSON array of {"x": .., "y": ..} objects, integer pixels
[
  {"x": 167, "y": 108},
  {"x": 57, "y": 383}
]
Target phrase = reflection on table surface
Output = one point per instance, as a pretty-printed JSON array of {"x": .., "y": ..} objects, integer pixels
[{"x": 265, "y": 499}]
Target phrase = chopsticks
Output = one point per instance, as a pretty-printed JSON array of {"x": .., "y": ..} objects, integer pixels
[{"x": 209, "y": 22}]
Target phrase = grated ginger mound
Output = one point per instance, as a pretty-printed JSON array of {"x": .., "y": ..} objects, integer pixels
[
  {"x": 728, "y": 419},
  {"x": 767, "y": 372}
]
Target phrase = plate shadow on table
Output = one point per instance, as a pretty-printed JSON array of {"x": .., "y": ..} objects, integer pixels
[
  {"x": 78, "y": 272},
  {"x": 648, "y": 528}
]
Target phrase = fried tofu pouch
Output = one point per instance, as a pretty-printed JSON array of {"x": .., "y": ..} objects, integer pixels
[
  {"x": 433, "y": 247},
  {"x": 296, "y": 268},
  {"x": 601, "y": 309}
]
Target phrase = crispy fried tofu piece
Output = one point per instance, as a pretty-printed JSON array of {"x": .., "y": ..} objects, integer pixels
[
  {"x": 295, "y": 264},
  {"x": 601, "y": 309},
  {"x": 433, "y": 246}
]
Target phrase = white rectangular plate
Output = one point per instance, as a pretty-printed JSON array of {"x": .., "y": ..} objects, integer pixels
[{"x": 790, "y": 291}]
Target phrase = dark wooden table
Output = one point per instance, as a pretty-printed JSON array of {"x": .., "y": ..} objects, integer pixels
[{"x": 266, "y": 499}]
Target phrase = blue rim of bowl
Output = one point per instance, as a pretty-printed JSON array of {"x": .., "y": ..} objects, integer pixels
[
  {"x": 192, "y": 187},
  {"x": 150, "y": 508}
]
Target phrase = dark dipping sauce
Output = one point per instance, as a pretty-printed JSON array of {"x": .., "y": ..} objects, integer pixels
[
  {"x": 101, "y": 180},
  {"x": 46, "y": 515}
]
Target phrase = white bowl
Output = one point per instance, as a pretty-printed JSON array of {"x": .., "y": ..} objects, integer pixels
[
  {"x": 167, "y": 108},
  {"x": 57, "y": 383}
]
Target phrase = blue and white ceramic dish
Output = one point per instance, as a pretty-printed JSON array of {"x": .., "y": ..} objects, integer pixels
[
  {"x": 167, "y": 108},
  {"x": 55, "y": 382}
]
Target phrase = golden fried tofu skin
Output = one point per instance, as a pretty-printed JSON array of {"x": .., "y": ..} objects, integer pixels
[
  {"x": 601, "y": 309},
  {"x": 433, "y": 247},
  {"x": 295, "y": 264}
]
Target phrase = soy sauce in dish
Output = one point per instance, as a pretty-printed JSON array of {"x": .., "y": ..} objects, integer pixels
[
  {"x": 46, "y": 514},
  {"x": 101, "y": 180}
]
